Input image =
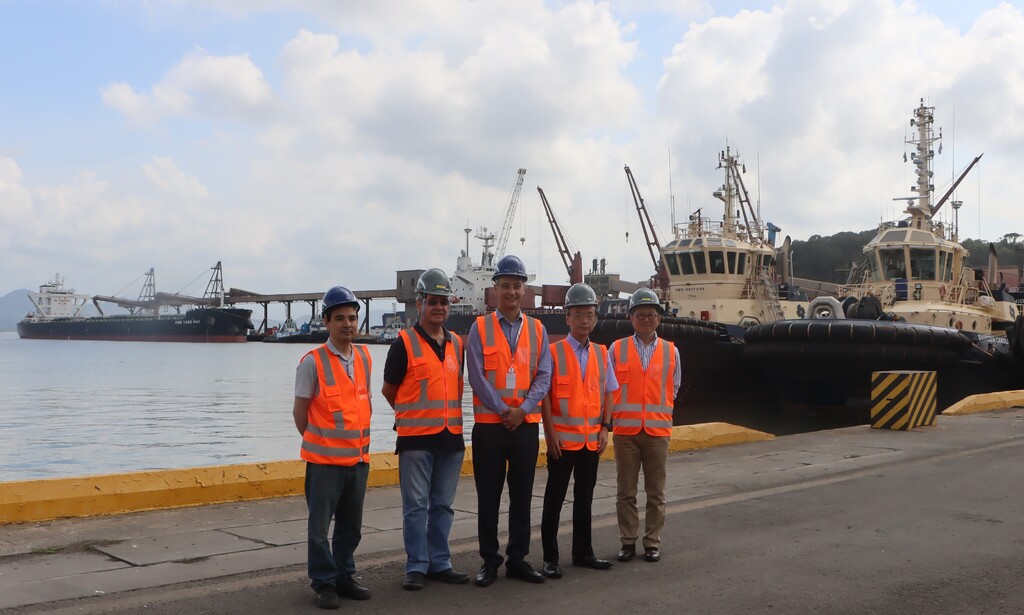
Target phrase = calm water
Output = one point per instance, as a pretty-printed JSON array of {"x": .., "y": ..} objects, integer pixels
[{"x": 69, "y": 408}]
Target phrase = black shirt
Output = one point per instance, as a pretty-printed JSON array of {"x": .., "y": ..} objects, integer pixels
[{"x": 395, "y": 367}]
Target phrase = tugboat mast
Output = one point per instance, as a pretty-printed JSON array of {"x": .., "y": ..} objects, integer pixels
[{"x": 920, "y": 207}]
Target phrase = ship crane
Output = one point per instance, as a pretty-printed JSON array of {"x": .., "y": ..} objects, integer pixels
[
  {"x": 510, "y": 214},
  {"x": 660, "y": 280},
  {"x": 570, "y": 257}
]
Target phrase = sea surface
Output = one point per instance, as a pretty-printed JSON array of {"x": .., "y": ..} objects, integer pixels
[{"x": 73, "y": 408}]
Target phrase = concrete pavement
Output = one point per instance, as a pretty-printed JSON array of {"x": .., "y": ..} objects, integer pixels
[{"x": 808, "y": 521}]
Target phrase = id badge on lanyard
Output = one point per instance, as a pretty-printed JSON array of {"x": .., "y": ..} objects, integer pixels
[{"x": 510, "y": 379}]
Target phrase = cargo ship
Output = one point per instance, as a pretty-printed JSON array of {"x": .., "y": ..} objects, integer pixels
[
  {"x": 59, "y": 315},
  {"x": 472, "y": 293}
]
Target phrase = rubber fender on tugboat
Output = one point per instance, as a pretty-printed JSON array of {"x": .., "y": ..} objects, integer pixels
[
  {"x": 847, "y": 303},
  {"x": 868, "y": 308},
  {"x": 1017, "y": 338},
  {"x": 825, "y": 308},
  {"x": 874, "y": 332}
]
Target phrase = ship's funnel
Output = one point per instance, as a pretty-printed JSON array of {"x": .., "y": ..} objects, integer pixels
[
  {"x": 784, "y": 260},
  {"x": 993, "y": 266}
]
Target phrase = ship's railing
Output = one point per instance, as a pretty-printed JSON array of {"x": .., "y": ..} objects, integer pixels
[
  {"x": 761, "y": 287},
  {"x": 699, "y": 226}
]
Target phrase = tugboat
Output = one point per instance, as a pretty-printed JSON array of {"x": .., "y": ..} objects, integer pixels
[
  {"x": 58, "y": 315},
  {"x": 717, "y": 279},
  {"x": 725, "y": 271},
  {"x": 913, "y": 304}
]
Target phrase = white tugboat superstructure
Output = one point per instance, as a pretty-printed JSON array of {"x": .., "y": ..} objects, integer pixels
[
  {"x": 725, "y": 271},
  {"x": 916, "y": 268}
]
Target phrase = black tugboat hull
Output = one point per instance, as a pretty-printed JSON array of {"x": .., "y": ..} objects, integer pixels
[{"x": 823, "y": 366}]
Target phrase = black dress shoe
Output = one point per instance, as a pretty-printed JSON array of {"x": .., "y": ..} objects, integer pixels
[
  {"x": 552, "y": 570},
  {"x": 353, "y": 590},
  {"x": 449, "y": 575},
  {"x": 626, "y": 553},
  {"x": 591, "y": 562},
  {"x": 413, "y": 581},
  {"x": 486, "y": 576},
  {"x": 524, "y": 572},
  {"x": 652, "y": 554},
  {"x": 327, "y": 598}
]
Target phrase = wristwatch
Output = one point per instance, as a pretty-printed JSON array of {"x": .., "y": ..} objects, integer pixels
[{"x": 607, "y": 426}]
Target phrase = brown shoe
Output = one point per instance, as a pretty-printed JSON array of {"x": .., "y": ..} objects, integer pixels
[
  {"x": 652, "y": 554},
  {"x": 626, "y": 553}
]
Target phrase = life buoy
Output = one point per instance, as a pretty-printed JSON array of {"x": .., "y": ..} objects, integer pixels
[
  {"x": 959, "y": 325},
  {"x": 942, "y": 293}
]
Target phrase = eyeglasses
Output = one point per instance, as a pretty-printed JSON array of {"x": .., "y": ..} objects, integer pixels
[
  {"x": 646, "y": 316},
  {"x": 432, "y": 301}
]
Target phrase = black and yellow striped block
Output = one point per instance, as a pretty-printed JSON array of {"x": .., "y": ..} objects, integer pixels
[{"x": 902, "y": 399}]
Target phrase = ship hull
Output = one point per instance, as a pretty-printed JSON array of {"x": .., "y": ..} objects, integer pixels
[
  {"x": 205, "y": 325},
  {"x": 553, "y": 321}
]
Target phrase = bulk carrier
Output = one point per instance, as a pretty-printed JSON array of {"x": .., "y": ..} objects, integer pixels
[{"x": 58, "y": 315}]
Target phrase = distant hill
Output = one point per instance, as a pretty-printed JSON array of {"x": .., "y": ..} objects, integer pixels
[
  {"x": 828, "y": 259},
  {"x": 13, "y": 307}
]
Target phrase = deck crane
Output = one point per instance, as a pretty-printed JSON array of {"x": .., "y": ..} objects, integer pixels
[
  {"x": 510, "y": 215},
  {"x": 573, "y": 262},
  {"x": 660, "y": 279}
]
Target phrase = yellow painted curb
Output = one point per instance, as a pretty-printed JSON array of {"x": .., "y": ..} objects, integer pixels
[
  {"x": 110, "y": 494},
  {"x": 986, "y": 402}
]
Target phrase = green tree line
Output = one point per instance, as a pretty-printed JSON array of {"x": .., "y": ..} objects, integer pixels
[{"x": 828, "y": 258}]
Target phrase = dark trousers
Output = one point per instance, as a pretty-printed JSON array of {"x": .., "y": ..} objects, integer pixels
[
  {"x": 334, "y": 492},
  {"x": 493, "y": 448},
  {"x": 582, "y": 465}
]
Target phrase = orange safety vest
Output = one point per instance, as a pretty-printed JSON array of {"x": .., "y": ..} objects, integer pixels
[
  {"x": 498, "y": 360},
  {"x": 338, "y": 430},
  {"x": 646, "y": 396},
  {"x": 430, "y": 396},
  {"x": 577, "y": 399}
]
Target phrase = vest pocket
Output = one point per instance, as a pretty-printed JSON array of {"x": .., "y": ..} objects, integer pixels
[
  {"x": 563, "y": 386},
  {"x": 490, "y": 358}
]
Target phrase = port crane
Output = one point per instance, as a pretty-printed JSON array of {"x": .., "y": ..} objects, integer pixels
[
  {"x": 659, "y": 282},
  {"x": 488, "y": 238},
  {"x": 570, "y": 257}
]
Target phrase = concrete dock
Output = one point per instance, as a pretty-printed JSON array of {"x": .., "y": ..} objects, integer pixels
[{"x": 852, "y": 520}]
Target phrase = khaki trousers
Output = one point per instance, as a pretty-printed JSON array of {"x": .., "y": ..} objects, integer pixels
[{"x": 633, "y": 453}]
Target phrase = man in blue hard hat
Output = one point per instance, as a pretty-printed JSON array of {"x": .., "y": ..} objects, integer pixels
[
  {"x": 423, "y": 383},
  {"x": 332, "y": 412},
  {"x": 509, "y": 367}
]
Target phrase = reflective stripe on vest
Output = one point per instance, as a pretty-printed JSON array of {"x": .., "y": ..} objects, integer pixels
[
  {"x": 430, "y": 396},
  {"x": 498, "y": 358},
  {"x": 338, "y": 425},
  {"x": 578, "y": 398},
  {"x": 645, "y": 398}
]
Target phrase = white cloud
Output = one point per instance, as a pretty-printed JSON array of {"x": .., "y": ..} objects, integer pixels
[
  {"x": 164, "y": 174},
  {"x": 225, "y": 87},
  {"x": 388, "y": 130}
]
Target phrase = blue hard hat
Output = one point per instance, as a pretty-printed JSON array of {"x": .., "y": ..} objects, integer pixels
[
  {"x": 338, "y": 295},
  {"x": 510, "y": 265}
]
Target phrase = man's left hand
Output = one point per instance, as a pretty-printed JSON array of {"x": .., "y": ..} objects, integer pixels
[
  {"x": 602, "y": 440},
  {"x": 513, "y": 418}
]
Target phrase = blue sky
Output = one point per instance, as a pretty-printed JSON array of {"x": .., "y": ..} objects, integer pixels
[{"x": 335, "y": 142}]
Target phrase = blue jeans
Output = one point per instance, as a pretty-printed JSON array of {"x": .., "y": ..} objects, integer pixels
[
  {"x": 334, "y": 492},
  {"x": 428, "y": 480}
]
